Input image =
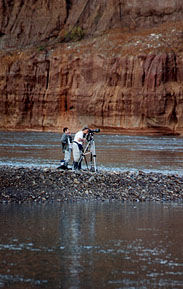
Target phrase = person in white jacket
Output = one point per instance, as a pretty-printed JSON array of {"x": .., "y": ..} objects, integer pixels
[{"x": 78, "y": 142}]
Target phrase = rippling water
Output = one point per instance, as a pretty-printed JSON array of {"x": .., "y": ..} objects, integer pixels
[
  {"x": 114, "y": 152},
  {"x": 87, "y": 244},
  {"x": 91, "y": 245}
]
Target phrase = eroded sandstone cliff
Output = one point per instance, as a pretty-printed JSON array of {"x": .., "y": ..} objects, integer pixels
[{"x": 122, "y": 77}]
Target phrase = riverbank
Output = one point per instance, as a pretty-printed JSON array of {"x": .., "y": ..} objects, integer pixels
[{"x": 46, "y": 185}]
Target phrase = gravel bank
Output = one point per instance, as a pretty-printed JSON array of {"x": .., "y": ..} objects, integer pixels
[{"x": 47, "y": 185}]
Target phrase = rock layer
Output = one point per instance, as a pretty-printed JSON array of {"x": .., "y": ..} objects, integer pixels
[
  {"x": 31, "y": 22},
  {"x": 121, "y": 80},
  {"x": 43, "y": 91}
]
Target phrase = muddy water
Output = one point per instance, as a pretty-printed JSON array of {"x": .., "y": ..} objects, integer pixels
[
  {"x": 91, "y": 245},
  {"x": 87, "y": 244},
  {"x": 114, "y": 152}
]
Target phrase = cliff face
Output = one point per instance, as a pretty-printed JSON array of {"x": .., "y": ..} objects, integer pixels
[
  {"x": 33, "y": 21},
  {"x": 122, "y": 77}
]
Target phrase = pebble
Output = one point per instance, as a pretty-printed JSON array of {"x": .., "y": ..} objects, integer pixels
[{"x": 18, "y": 184}]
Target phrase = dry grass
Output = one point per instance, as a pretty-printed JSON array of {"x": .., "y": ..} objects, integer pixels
[{"x": 166, "y": 37}]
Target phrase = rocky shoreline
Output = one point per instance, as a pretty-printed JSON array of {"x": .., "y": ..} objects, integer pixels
[{"x": 21, "y": 185}]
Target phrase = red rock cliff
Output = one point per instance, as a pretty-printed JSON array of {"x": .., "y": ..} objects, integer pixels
[{"x": 120, "y": 77}]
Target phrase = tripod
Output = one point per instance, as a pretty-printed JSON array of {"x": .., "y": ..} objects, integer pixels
[{"x": 90, "y": 150}]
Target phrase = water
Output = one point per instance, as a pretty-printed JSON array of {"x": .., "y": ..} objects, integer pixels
[
  {"x": 88, "y": 245},
  {"x": 91, "y": 245},
  {"x": 114, "y": 152}
]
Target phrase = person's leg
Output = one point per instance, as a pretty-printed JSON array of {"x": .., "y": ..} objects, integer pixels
[
  {"x": 80, "y": 159},
  {"x": 79, "y": 163},
  {"x": 67, "y": 157},
  {"x": 76, "y": 155}
]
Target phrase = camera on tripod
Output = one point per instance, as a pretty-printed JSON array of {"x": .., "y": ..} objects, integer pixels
[
  {"x": 91, "y": 132},
  {"x": 97, "y": 130},
  {"x": 90, "y": 149}
]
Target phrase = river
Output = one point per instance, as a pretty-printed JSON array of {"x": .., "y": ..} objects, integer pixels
[
  {"x": 87, "y": 244},
  {"x": 91, "y": 245},
  {"x": 114, "y": 152}
]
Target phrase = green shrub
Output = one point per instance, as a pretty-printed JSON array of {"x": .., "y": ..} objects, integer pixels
[
  {"x": 75, "y": 34},
  {"x": 40, "y": 48}
]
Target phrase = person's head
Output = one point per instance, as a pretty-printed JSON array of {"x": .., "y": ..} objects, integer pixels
[
  {"x": 66, "y": 130},
  {"x": 85, "y": 129}
]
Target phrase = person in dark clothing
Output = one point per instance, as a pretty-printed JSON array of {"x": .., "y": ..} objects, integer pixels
[{"x": 66, "y": 141}]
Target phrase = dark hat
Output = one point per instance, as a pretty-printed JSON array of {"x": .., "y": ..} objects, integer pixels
[{"x": 85, "y": 127}]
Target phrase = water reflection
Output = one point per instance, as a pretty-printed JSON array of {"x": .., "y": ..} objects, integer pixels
[
  {"x": 91, "y": 245},
  {"x": 114, "y": 152}
]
